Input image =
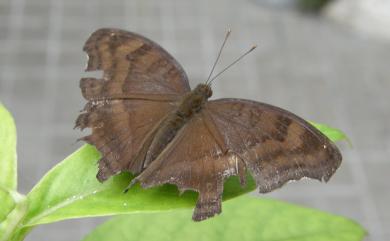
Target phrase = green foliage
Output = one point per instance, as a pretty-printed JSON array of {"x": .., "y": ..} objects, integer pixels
[
  {"x": 12, "y": 204},
  {"x": 70, "y": 190},
  {"x": 9, "y": 227},
  {"x": 7, "y": 150},
  {"x": 244, "y": 218},
  {"x": 332, "y": 133},
  {"x": 7, "y": 204}
]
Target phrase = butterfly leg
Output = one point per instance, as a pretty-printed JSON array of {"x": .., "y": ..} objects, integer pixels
[{"x": 134, "y": 181}]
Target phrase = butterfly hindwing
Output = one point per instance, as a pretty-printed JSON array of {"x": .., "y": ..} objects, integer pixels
[
  {"x": 276, "y": 145},
  {"x": 120, "y": 129},
  {"x": 194, "y": 161}
]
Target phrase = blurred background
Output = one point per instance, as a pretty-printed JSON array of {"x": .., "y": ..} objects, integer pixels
[{"x": 327, "y": 61}]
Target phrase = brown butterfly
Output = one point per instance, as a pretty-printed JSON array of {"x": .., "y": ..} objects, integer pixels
[{"x": 146, "y": 120}]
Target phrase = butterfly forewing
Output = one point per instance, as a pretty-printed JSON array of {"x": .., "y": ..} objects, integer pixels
[{"x": 132, "y": 64}]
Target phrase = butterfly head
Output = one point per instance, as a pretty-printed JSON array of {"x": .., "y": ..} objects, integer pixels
[{"x": 203, "y": 90}]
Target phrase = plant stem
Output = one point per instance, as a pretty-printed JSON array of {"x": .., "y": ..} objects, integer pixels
[
  {"x": 21, "y": 234},
  {"x": 10, "y": 226}
]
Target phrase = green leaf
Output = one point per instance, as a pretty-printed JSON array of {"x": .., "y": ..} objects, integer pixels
[
  {"x": 70, "y": 190},
  {"x": 332, "y": 133},
  {"x": 7, "y": 150},
  {"x": 12, "y": 204},
  {"x": 7, "y": 204},
  {"x": 245, "y": 218}
]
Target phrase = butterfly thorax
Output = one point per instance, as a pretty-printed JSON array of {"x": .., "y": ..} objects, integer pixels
[
  {"x": 194, "y": 100},
  {"x": 190, "y": 104}
]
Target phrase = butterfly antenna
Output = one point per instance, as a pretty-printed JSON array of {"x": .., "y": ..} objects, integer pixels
[
  {"x": 234, "y": 62},
  {"x": 219, "y": 54}
]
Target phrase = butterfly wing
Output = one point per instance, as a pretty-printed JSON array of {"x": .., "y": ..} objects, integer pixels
[
  {"x": 231, "y": 136},
  {"x": 141, "y": 84},
  {"x": 132, "y": 65},
  {"x": 194, "y": 161},
  {"x": 276, "y": 145}
]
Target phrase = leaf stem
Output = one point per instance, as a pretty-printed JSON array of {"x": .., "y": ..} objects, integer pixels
[
  {"x": 67, "y": 202},
  {"x": 11, "y": 225}
]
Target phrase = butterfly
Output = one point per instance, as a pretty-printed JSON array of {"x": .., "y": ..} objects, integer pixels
[{"x": 146, "y": 120}]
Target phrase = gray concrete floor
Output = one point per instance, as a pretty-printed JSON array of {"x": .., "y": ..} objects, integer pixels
[{"x": 311, "y": 66}]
